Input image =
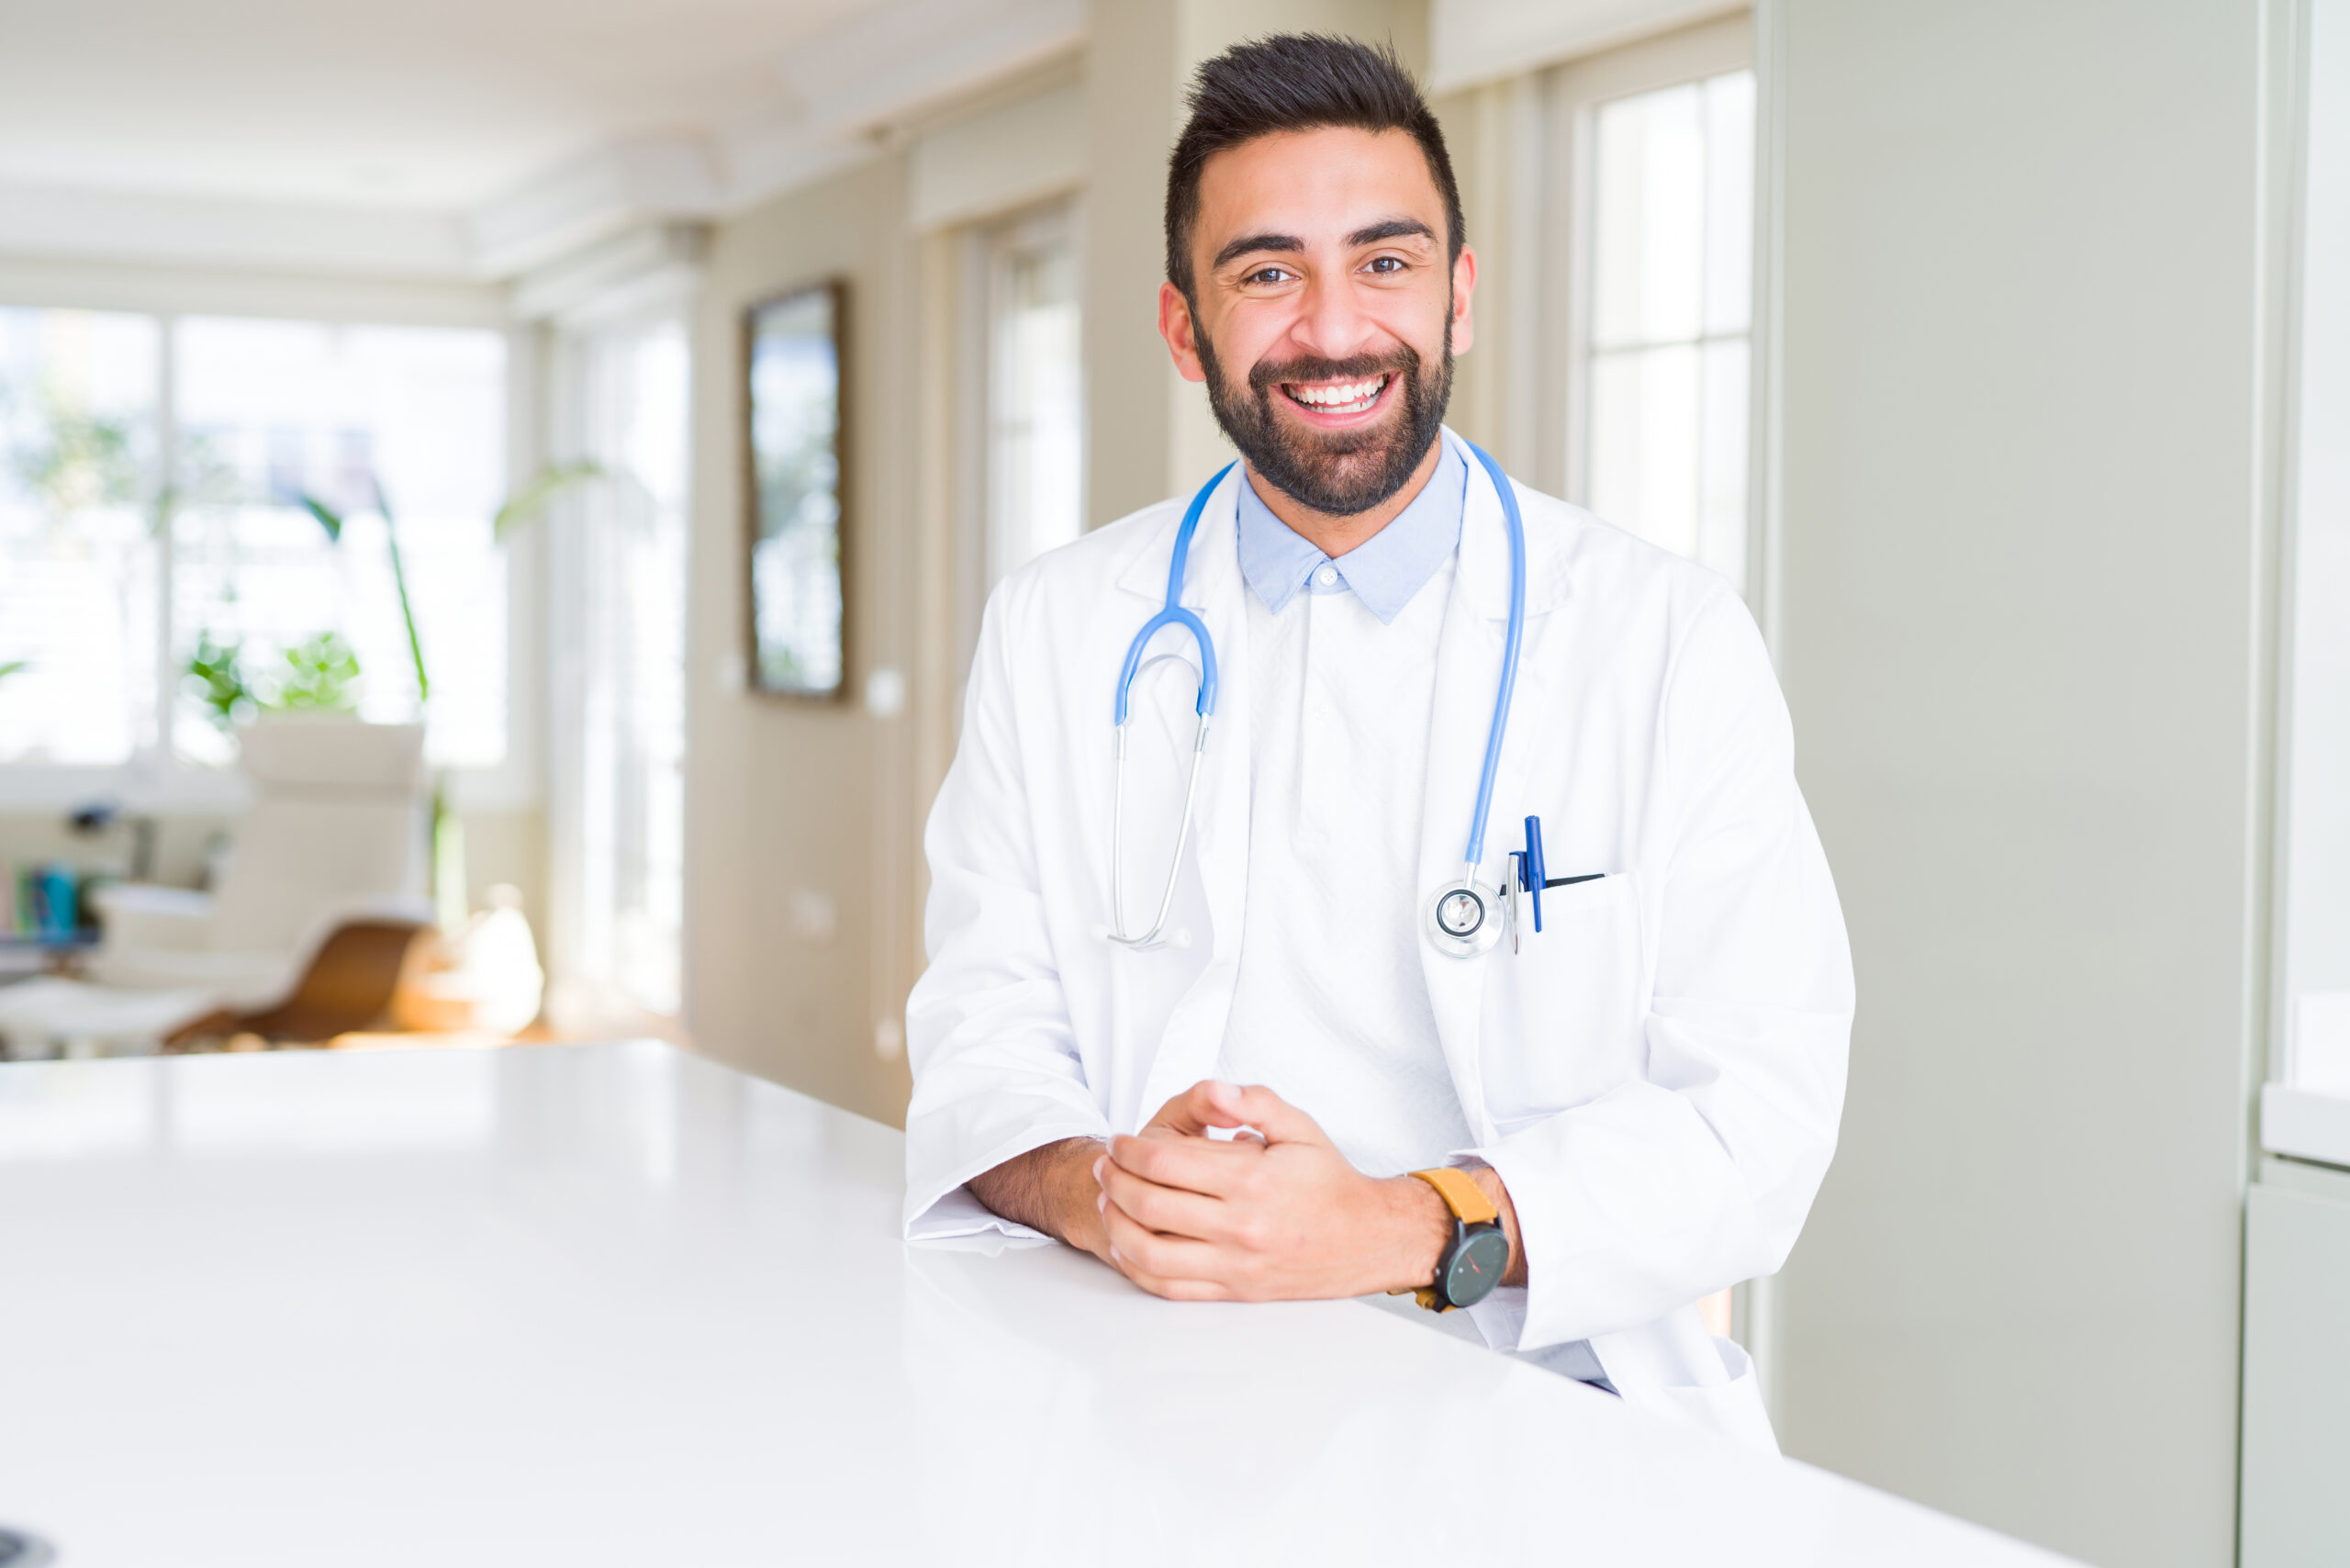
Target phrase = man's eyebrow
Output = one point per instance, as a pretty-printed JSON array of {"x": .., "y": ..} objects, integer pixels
[
  {"x": 1393, "y": 229},
  {"x": 1249, "y": 242}
]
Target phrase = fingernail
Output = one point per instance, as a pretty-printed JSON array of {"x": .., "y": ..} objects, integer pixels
[
  {"x": 1098, "y": 1165},
  {"x": 1224, "y": 1093},
  {"x": 1113, "y": 1255},
  {"x": 1101, "y": 1201}
]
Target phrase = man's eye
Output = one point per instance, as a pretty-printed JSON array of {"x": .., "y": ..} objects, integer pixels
[
  {"x": 1387, "y": 264},
  {"x": 1267, "y": 275}
]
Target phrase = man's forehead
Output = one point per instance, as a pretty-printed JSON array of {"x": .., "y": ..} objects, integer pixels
[{"x": 1318, "y": 185}]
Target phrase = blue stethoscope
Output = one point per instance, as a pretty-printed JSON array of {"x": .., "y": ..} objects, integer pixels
[{"x": 1465, "y": 917}]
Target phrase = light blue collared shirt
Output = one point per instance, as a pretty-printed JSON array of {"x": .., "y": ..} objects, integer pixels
[{"x": 1384, "y": 571}]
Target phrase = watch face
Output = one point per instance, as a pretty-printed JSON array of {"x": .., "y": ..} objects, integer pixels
[{"x": 1477, "y": 1266}]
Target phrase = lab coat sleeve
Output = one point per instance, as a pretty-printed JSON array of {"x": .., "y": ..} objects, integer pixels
[
  {"x": 988, "y": 1033},
  {"x": 1699, "y": 1174}
]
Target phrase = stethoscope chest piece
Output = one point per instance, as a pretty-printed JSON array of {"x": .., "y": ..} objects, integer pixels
[{"x": 1465, "y": 918}]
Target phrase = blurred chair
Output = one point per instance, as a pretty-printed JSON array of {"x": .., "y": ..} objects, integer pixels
[
  {"x": 336, "y": 831},
  {"x": 324, "y": 888},
  {"x": 347, "y": 985}
]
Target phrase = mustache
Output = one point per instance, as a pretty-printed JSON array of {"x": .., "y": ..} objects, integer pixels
[{"x": 1264, "y": 375}]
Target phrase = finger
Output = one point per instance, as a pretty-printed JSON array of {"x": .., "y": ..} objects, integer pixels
[
  {"x": 1239, "y": 1134},
  {"x": 1259, "y": 1107},
  {"x": 1170, "y": 1210},
  {"x": 1203, "y": 1105},
  {"x": 1168, "y": 1257},
  {"x": 1194, "y": 1164}
]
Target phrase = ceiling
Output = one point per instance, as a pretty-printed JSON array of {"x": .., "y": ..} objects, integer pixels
[
  {"x": 421, "y": 102},
  {"x": 487, "y": 117}
]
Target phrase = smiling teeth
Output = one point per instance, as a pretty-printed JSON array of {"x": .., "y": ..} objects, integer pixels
[{"x": 1341, "y": 397}]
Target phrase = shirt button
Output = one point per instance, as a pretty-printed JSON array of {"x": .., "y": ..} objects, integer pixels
[{"x": 1326, "y": 575}]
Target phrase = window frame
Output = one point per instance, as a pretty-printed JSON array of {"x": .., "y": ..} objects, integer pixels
[
  {"x": 158, "y": 780},
  {"x": 573, "y": 345},
  {"x": 1549, "y": 148},
  {"x": 986, "y": 245},
  {"x": 1571, "y": 95},
  {"x": 1033, "y": 228}
]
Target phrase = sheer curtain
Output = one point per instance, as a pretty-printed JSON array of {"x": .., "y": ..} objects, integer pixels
[
  {"x": 1036, "y": 448},
  {"x": 617, "y": 575}
]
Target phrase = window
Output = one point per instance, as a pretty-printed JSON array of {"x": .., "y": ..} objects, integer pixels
[
  {"x": 1020, "y": 432},
  {"x": 116, "y": 578},
  {"x": 79, "y": 618},
  {"x": 2313, "y": 947},
  {"x": 616, "y": 795},
  {"x": 1647, "y": 154},
  {"x": 1036, "y": 447},
  {"x": 1657, "y": 151},
  {"x": 1672, "y": 279},
  {"x": 270, "y": 411}
]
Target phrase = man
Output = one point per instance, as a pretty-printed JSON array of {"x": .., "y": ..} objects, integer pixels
[{"x": 1303, "y": 1089}]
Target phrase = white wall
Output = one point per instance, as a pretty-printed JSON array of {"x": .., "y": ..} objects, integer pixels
[
  {"x": 2026, "y": 637},
  {"x": 800, "y": 842}
]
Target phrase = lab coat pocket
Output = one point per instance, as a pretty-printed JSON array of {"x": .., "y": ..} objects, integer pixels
[
  {"x": 1563, "y": 1015},
  {"x": 1732, "y": 1408}
]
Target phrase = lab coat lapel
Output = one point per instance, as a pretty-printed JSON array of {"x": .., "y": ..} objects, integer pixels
[
  {"x": 1194, "y": 1037},
  {"x": 1468, "y": 673}
]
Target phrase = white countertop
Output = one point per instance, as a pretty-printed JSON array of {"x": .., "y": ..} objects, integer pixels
[
  {"x": 613, "y": 1304},
  {"x": 2304, "y": 1123}
]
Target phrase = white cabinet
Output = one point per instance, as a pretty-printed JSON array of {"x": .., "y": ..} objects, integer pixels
[{"x": 2296, "y": 1511}]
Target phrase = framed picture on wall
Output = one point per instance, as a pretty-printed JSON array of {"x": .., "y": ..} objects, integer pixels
[{"x": 793, "y": 358}]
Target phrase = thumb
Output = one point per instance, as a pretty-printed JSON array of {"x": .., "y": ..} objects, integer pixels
[{"x": 1257, "y": 1107}]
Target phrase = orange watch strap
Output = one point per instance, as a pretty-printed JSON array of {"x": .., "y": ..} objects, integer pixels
[{"x": 1460, "y": 1194}]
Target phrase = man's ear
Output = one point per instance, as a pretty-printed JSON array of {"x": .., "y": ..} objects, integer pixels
[
  {"x": 1464, "y": 286},
  {"x": 1175, "y": 325}
]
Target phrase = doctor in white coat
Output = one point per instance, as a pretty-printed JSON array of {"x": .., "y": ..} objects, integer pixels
[{"x": 1643, "y": 1095}]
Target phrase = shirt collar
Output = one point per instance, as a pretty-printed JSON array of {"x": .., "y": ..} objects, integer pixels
[{"x": 1384, "y": 571}]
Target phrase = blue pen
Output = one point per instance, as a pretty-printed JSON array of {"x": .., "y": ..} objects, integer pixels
[{"x": 1533, "y": 875}]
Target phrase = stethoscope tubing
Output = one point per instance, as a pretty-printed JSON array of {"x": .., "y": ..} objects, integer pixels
[
  {"x": 1507, "y": 686},
  {"x": 1172, "y": 613}
]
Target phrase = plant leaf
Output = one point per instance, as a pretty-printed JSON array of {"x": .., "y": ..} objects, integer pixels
[
  {"x": 329, "y": 519},
  {"x": 532, "y": 497},
  {"x": 11, "y": 666}
]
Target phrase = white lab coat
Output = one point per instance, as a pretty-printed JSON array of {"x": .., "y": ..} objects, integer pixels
[{"x": 1657, "y": 1077}]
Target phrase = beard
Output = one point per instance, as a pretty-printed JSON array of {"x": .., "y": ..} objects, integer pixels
[{"x": 1336, "y": 473}]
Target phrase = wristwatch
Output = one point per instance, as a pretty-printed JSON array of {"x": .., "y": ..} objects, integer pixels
[{"x": 1477, "y": 1257}]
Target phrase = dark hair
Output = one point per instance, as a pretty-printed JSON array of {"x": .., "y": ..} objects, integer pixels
[{"x": 1295, "y": 82}]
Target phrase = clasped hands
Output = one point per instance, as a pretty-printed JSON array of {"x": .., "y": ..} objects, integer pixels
[{"x": 1275, "y": 1213}]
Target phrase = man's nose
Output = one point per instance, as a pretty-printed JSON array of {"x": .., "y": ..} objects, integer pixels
[{"x": 1331, "y": 322}]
